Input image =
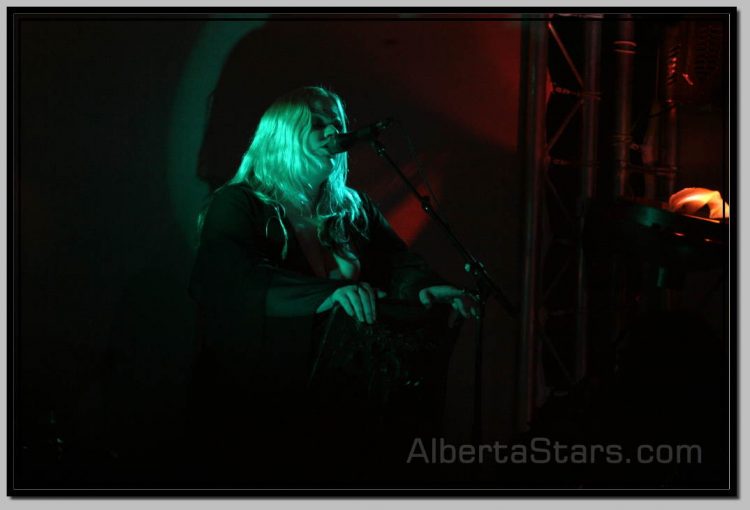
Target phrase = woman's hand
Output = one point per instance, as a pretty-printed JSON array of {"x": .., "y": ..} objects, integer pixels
[
  {"x": 357, "y": 300},
  {"x": 461, "y": 301}
]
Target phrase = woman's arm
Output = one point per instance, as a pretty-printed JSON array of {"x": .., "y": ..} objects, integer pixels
[
  {"x": 411, "y": 277},
  {"x": 235, "y": 271},
  {"x": 405, "y": 272}
]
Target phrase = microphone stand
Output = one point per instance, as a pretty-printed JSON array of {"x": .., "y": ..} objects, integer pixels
[{"x": 485, "y": 286}]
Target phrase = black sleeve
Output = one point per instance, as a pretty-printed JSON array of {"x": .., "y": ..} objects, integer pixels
[
  {"x": 404, "y": 272},
  {"x": 235, "y": 271}
]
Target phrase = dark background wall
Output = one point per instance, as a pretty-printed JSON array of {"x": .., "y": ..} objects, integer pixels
[
  {"x": 113, "y": 115},
  {"x": 105, "y": 323}
]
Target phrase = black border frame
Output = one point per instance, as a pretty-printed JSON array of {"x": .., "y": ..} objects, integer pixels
[{"x": 18, "y": 14}]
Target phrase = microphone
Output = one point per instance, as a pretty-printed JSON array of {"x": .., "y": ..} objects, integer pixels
[{"x": 345, "y": 141}]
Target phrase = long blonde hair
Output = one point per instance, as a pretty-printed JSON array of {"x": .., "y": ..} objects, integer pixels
[{"x": 278, "y": 163}]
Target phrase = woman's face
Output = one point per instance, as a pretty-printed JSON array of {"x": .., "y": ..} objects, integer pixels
[{"x": 325, "y": 124}]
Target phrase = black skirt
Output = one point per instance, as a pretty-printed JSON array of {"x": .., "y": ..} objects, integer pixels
[{"x": 369, "y": 391}]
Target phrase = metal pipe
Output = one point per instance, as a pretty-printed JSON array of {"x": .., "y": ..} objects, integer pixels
[
  {"x": 589, "y": 165},
  {"x": 669, "y": 142},
  {"x": 624, "y": 49},
  {"x": 532, "y": 123}
]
